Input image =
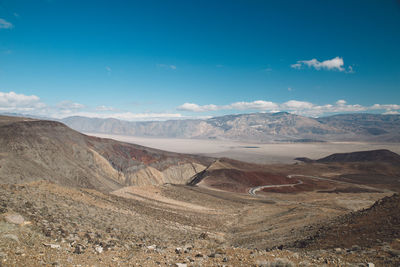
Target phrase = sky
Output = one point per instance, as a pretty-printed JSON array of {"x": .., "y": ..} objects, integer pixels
[{"x": 158, "y": 60}]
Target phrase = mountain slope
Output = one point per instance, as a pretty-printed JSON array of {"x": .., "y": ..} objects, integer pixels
[
  {"x": 381, "y": 155},
  {"x": 356, "y": 228},
  {"x": 375, "y": 126},
  {"x": 47, "y": 150},
  {"x": 260, "y": 127}
]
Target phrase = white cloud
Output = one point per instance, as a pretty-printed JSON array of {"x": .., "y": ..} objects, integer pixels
[
  {"x": 294, "y": 106},
  {"x": 255, "y": 105},
  {"x": 336, "y": 63},
  {"x": 31, "y": 104},
  {"x": 296, "y": 66},
  {"x": 5, "y": 24},
  {"x": 13, "y": 102},
  {"x": 197, "y": 108},
  {"x": 258, "y": 105},
  {"x": 386, "y": 107}
]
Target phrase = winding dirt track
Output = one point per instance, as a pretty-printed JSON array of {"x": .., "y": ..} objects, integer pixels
[{"x": 253, "y": 190}]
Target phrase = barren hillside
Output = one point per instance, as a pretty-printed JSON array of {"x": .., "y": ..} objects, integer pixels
[{"x": 46, "y": 150}]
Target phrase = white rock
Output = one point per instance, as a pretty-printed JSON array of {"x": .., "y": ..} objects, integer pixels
[
  {"x": 370, "y": 264},
  {"x": 52, "y": 245},
  {"x": 180, "y": 264},
  {"x": 99, "y": 249},
  {"x": 152, "y": 247}
]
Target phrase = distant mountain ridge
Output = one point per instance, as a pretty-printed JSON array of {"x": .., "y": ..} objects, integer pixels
[{"x": 256, "y": 127}]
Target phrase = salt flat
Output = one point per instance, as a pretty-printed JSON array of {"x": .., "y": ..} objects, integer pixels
[{"x": 251, "y": 152}]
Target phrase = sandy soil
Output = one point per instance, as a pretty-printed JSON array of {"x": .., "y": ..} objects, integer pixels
[{"x": 251, "y": 152}]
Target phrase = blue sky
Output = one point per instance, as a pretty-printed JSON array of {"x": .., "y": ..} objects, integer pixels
[{"x": 146, "y": 60}]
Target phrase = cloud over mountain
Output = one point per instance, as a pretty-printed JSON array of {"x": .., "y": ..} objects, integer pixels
[{"x": 293, "y": 106}]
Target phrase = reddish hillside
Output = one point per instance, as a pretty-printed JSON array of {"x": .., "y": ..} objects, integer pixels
[{"x": 235, "y": 176}]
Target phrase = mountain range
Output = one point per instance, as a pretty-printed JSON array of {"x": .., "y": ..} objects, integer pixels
[{"x": 255, "y": 127}]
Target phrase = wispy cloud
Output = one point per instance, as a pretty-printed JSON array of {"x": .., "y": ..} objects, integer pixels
[
  {"x": 5, "y": 24},
  {"x": 197, "y": 108},
  {"x": 267, "y": 70},
  {"x": 70, "y": 105},
  {"x": 336, "y": 63},
  {"x": 255, "y": 105},
  {"x": 294, "y": 106},
  {"x": 104, "y": 108},
  {"x": 165, "y": 66},
  {"x": 129, "y": 116},
  {"x": 108, "y": 69}
]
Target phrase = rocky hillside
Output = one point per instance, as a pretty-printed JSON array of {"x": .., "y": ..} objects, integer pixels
[
  {"x": 373, "y": 156},
  {"x": 381, "y": 155},
  {"x": 260, "y": 127},
  {"x": 356, "y": 230},
  {"x": 47, "y": 150}
]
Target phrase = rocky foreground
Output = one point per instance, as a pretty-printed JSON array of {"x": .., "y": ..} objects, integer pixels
[{"x": 42, "y": 224}]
